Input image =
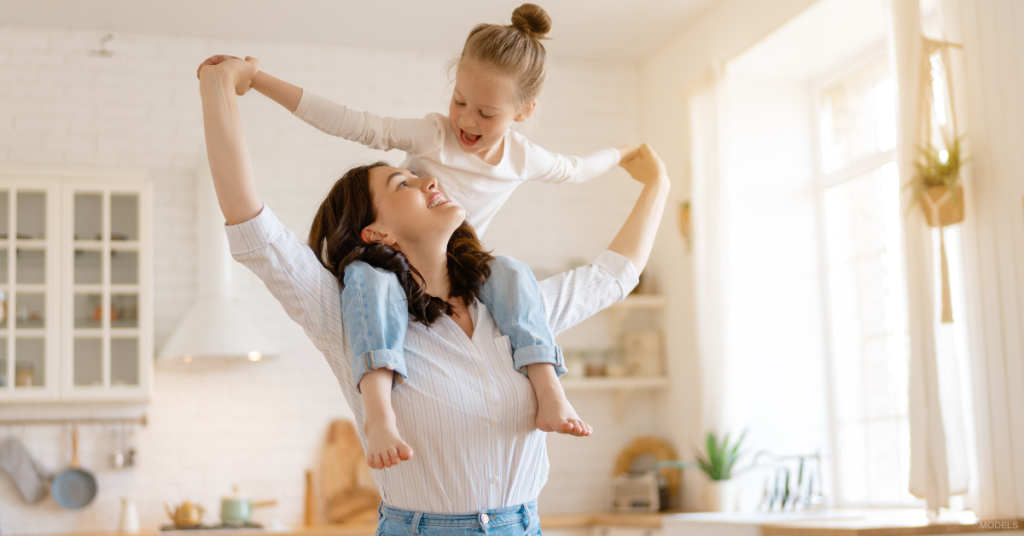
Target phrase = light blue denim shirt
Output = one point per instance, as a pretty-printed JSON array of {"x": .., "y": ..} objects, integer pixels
[{"x": 376, "y": 313}]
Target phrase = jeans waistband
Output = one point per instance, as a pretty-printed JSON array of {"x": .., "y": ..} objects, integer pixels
[{"x": 496, "y": 517}]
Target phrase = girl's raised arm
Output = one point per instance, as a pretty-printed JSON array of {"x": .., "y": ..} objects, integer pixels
[
  {"x": 225, "y": 143},
  {"x": 636, "y": 237}
]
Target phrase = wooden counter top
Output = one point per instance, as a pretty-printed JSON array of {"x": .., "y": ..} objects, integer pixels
[
  {"x": 870, "y": 524},
  {"x": 875, "y": 524},
  {"x": 554, "y": 521}
]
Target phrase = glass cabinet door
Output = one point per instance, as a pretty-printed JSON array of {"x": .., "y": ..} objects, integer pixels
[
  {"x": 75, "y": 286},
  {"x": 106, "y": 297},
  {"x": 27, "y": 289}
]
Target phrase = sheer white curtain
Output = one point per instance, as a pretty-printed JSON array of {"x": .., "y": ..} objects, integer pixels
[
  {"x": 987, "y": 76},
  {"x": 710, "y": 240},
  {"x": 938, "y": 455}
]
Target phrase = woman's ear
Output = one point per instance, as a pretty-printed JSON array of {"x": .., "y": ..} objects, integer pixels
[
  {"x": 526, "y": 112},
  {"x": 370, "y": 235}
]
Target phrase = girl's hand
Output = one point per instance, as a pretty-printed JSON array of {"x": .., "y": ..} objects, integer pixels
[
  {"x": 646, "y": 167},
  {"x": 237, "y": 70}
]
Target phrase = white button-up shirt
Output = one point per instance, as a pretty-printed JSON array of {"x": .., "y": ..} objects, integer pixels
[{"x": 465, "y": 411}]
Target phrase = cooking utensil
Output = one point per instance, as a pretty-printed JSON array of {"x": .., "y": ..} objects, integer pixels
[
  {"x": 23, "y": 469},
  {"x": 236, "y": 508},
  {"x": 186, "y": 514},
  {"x": 74, "y": 487},
  {"x": 310, "y": 500},
  {"x": 117, "y": 459}
]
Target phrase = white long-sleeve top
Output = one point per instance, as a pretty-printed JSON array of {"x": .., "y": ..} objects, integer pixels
[
  {"x": 433, "y": 150},
  {"x": 467, "y": 414}
]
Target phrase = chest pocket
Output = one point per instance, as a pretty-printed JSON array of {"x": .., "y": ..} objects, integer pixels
[{"x": 504, "y": 347}]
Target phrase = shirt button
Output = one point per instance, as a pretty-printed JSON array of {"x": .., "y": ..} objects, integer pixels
[
  {"x": 480, "y": 372},
  {"x": 494, "y": 480},
  {"x": 493, "y": 423},
  {"x": 484, "y": 518}
]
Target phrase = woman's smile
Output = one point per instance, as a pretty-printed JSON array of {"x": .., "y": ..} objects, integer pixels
[{"x": 437, "y": 200}]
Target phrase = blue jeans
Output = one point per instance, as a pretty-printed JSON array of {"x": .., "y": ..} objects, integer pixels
[
  {"x": 376, "y": 314},
  {"x": 519, "y": 520}
]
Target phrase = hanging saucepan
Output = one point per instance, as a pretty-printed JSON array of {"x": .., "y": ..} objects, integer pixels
[{"x": 74, "y": 487}]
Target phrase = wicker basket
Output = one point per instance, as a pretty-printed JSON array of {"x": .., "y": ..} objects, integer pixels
[{"x": 939, "y": 207}]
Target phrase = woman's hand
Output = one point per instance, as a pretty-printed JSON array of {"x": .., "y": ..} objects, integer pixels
[
  {"x": 236, "y": 70},
  {"x": 636, "y": 238},
  {"x": 627, "y": 152},
  {"x": 646, "y": 167}
]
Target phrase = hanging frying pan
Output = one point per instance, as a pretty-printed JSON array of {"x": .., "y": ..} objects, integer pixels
[{"x": 74, "y": 487}]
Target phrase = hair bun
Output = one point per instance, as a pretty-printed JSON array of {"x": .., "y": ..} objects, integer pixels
[{"x": 532, "y": 19}]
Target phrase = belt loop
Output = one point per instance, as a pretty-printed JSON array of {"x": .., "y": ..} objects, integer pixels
[
  {"x": 416, "y": 522},
  {"x": 380, "y": 508},
  {"x": 526, "y": 516},
  {"x": 531, "y": 522}
]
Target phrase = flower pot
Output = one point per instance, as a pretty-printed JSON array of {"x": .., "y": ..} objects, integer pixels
[
  {"x": 720, "y": 496},
  {"x": 939, "y": 207}
]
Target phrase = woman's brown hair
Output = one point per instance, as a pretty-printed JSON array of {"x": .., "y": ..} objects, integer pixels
[
  {"x": 336, "y": 241},
  {"x": 514, "y": 50}
]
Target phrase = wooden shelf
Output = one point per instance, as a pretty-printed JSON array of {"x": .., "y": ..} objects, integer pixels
[
  {"x": 616, "y": 383},
  {"x": 640, "y": 301}
]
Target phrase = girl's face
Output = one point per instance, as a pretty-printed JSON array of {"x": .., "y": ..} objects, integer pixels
[
  {"x": 482, "y": 109},
  {"x": 410, "y": 210}
]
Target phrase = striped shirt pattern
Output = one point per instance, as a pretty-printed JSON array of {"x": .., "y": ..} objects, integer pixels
[{"x": 467, "y": 414}]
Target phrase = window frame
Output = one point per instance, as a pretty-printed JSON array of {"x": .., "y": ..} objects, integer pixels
[{"x": 823, "y": 181}]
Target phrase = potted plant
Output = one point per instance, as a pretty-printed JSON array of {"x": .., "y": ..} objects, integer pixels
[
  {"x": 719, "y": 463},
  {"x": 937, "y": 185}
]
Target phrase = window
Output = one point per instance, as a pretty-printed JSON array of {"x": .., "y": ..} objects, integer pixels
[{"x": 861, "y": 189}]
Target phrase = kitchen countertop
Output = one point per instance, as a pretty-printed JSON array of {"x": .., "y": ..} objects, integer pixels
[
  {"x": 838, "y": 523},
  {"x": 881, "y": 524},
  {"x": 555, "y": 521}
]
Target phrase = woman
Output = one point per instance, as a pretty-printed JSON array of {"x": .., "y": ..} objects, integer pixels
[{"x": 481, "y": 462}]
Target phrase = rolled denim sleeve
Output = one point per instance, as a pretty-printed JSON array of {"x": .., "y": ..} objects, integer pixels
[
  {"x": 514, "y": 299},
  {"x": 376, "y": 318}
]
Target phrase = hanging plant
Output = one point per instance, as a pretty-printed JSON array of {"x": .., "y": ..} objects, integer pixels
[{"x": 937, "y": 185}]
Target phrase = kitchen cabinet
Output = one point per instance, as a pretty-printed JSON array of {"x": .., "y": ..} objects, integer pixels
[{"x": 75, "y": 285}]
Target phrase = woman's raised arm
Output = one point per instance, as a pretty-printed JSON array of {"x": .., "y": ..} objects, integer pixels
[
  {"x": 636, "y": 237},
  {"x": 225, "y": 143}
]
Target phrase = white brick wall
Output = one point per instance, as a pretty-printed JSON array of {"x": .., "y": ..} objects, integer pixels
[{"x": 261, "y": 426}]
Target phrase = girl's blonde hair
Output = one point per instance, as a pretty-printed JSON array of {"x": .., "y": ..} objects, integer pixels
[{"x": 515, "y": 50}]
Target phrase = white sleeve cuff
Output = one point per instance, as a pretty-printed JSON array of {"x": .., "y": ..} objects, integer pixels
[
  {"x": 303, "y": 107},
  {"x": 254, "y": 234},
  {"x": 621, "y": 269}
]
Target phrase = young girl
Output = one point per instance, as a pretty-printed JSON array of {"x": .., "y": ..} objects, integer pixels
[{"x": 480, "y": 161}]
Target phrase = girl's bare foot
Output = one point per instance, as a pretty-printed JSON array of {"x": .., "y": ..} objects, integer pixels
[
  {"x": 555, "y": 414},
  {"x": 384, "y": 447}
]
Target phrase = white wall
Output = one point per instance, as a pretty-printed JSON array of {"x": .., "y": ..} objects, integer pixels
[
  {"x": 719, "y": 34},
  {"x": 261, "y": 426}
]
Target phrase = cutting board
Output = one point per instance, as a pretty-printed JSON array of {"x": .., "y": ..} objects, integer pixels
[{"x": 347, "y": 484}]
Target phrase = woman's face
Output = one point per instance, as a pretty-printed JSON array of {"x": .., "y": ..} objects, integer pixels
[{"x": 411, "y": 210}]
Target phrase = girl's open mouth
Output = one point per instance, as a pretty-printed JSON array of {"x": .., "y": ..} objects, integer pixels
[{"x": 468, "y": 139}]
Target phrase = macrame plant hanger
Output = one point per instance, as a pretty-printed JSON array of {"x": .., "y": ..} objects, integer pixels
[{"x": 948, "y": 209}]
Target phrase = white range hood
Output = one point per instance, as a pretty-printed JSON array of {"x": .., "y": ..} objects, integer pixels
[{"x": 217, "y": 329}]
